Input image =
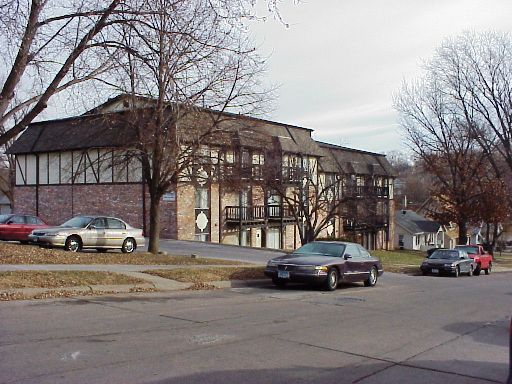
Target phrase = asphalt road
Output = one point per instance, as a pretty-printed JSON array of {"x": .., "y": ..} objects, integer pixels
[
  {"x": 219, "y": 251},
  {"x": 406, "y": 330}
]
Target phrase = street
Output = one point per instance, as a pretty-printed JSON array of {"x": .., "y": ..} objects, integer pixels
[{"x": 408, "y": 329}]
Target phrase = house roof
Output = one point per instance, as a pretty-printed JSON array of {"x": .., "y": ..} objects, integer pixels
[
  {"x": 108, "y": 126},
  {"x": 353, "y": 161},
  {"x": 415, "y": 223},
  {"x": 87, "y": 131}
]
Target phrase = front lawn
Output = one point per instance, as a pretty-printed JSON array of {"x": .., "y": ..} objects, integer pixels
[
  {"x": 29, "y": 254},
  {"x": 203, "y": 275},
  {"x": 401, "y": 261},
  {"x": 503, "y": 259},
  {"x": 61, "y": 279}
]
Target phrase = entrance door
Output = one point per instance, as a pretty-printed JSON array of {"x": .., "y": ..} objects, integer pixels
[
  {"x": 202, "y": 214},
  {"x": 273, "y": 238}
]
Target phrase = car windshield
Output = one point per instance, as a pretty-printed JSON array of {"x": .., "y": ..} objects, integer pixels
[
  {"x": 327, "y": 249},
  {"x": 4, "y": 218},
  {"x": 469, "y": 249},
  {"x": 445, "y": 254},
  {"x": 77, "y": 222}
]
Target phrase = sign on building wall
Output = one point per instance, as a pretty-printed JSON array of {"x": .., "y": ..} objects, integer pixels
[{"x": 169, "y": 196}]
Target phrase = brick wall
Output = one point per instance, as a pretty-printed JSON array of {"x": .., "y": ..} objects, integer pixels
[
  {"x": 186, "y": 215},
  {"x": 61, "y": 202}
]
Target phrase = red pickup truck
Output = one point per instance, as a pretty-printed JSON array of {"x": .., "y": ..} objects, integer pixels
[{"x": 483, "y": 260}]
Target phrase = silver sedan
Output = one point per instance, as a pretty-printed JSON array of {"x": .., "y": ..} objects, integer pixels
[{"x": 86, "y": 232}]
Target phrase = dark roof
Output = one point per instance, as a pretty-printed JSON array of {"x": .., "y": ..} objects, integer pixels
[
  {"x": 110, "y": 128},
  {"x": 415, "y": 223},
  {"x": 352, "y": 161},
  {"x": 92, "y": 131}
]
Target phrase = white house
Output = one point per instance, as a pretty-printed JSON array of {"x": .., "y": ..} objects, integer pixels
[{"x": 415, "y": 232}]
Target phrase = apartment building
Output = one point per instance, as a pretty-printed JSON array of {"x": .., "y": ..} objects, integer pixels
[{"x": 80, "y": 165}]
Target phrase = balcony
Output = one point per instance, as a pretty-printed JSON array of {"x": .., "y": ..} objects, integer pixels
[
  {"x": 365, "y": 223},
  {"x": 257, "y": 214},
  {"x": 241, "y": 172},
  {"x": 366, "y": 191}
]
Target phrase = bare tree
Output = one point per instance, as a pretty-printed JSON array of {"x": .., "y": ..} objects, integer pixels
[
  {"x": 187, "y": 62},
  {"x": 477, "y": 73},
  {"x": 49, "y": 46},
  {"x": 440, "y": 132},
  {"x": 312, "y": 201}
]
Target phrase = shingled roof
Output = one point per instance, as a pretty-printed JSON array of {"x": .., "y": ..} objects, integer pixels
[
  {"x": 415, "y": 223},
  {"x": 108, "y": 126},
  {"x": 87, "y": 131},
  {"x": 352, "y": 161}
]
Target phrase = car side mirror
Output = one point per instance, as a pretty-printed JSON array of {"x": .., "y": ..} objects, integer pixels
[
  {"x": 346, "y": 257},
  {"x": 92, "y": 227},
  {"x": 9, "y": 222},
  {"x": 462, "y": 257}
]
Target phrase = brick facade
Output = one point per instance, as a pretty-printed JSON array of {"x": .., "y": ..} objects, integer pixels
[{"x": 56, "y": 204}]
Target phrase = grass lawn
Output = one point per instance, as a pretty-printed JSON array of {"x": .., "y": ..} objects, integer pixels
[
  {"x": 202, "y": 275},
  {"x": 11, "y": 253},
  {"x": 503, "y": 259},
  {"x": 402, "y": 261},
  {"x": 60, "y": 279}
]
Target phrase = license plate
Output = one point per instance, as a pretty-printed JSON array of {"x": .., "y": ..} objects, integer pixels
[
  {"x": 435, "y": 270},
  {"x": 283, "y": 274}
]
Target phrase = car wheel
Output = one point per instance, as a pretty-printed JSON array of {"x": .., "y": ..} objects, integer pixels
[
  {"x": 73, "y": 244},
  {"x": 477, "y": 270},
  {"x": 101, "y": 249},
  {"x": 457, "y": 271},
  {"x": 332, "y": 279},
  {"x": 279, "y": 282},
  {"x": 128, "y": 245},
  {"x": 372, "y": 278},
  {"x": 470, "y": 273},
  {"x": 489, "y": 269}
]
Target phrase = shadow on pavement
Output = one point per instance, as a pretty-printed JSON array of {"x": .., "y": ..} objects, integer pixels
[
  {"x": 495, "y": 333},
  {"x": 364, "y": 373}
]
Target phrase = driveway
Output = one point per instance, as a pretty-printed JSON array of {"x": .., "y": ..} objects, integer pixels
[
  {"x": 405, "y": 330},
  {"x": 219, "y": 251}
]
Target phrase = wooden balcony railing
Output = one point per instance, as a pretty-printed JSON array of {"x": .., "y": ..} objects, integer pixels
[
  {"x": 362, "y": 191},
  {"x": 257, "y": 213},
  {"x": 369, "y": 222}
]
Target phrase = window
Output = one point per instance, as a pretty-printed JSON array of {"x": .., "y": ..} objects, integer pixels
[
  {"x": 352, "y": 250},
  {"x": 201, "y": 198},
  {"x": 99, "y": 223},
  {"x": 364, "y": 252},
  {"x": 115, "y": 224},
  {"x": 17, "y": 220},
  {"x": 33, "y": 220}
]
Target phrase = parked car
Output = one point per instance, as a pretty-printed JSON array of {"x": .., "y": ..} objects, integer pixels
[
  {"x": 483, "y": 259},
  {"x": 97, "y": 232},
  {"x": 448, "y": 261},
  {"x": 431, "y": 251},
  {"x": 326, "y": 263},
  {"x": 14, "y": 227}
]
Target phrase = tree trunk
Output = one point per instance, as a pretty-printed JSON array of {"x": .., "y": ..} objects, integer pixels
[
  {"x": 463, "y": 233},
  {"x": 154, "y": 224}
]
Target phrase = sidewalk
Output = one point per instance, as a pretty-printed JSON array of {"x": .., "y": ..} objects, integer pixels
[{"x": 153, "y": 283}]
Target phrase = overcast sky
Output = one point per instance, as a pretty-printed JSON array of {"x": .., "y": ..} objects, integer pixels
[{"x": 340, "y": 61}]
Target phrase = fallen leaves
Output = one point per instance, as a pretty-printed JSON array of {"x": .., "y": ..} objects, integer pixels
[{"x": 11, "y": 253}]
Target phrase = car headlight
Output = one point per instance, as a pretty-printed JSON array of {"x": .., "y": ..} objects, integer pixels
[
  {"x": 449, "y": 265},
  {"x": 320, "y": 268},
  {"x": 271, "y": 263}
]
